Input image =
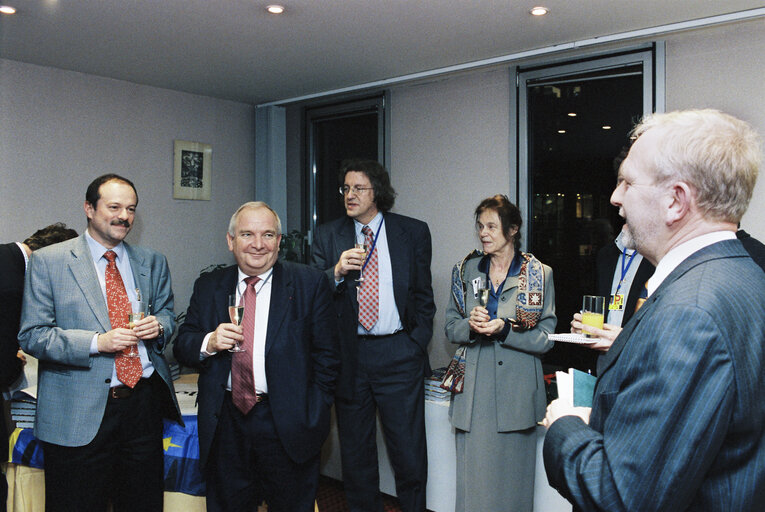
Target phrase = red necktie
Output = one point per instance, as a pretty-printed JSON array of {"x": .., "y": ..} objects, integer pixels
[
  {"x": 368, "y": 295},
  {"x": 129, "y": 369},
  {"x": 242, "y": 373}
]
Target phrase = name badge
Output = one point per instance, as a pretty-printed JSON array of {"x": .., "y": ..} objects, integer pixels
[{"x": 617, "y": 302}]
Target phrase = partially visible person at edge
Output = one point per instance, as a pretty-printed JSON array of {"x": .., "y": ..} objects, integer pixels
[
  {"x": 621, "y": 276},
  {"x": 496, "y": 415},
  {"x": 14, "y": 258},
  {"x": 678, "y": 419},
  {"x": 754, "y": 247}
]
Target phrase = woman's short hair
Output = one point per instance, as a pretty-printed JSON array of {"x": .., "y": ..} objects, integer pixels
[{"x": 509, "y": 216}]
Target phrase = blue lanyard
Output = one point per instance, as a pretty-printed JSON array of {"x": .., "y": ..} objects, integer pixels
[
  {"x": 624, "y": 269},
  {"x": 374, "y": 244}
]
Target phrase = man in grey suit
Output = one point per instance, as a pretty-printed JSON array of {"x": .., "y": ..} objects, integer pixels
[
  {"x": 101, "y": 428},
  {"x": 678, "y": 416}
]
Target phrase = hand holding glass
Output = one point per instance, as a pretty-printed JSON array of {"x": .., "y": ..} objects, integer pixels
[
  {"x": 137, "y": 313},
  {"x": 363, "y": 247},
  {"x": 235, "y": 313},
  {"x": 593, "y": 308}
]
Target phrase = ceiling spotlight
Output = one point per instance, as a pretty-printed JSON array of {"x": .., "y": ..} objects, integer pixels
[
  {"x": 571, "y": 114},
  {"x": 7, "y": 9},
  {"x": 539, "y": 11},
  {"x": 275, "y": 9},
  {"x": 561, "y": 131},
  {"x": 606, "y": 127}
]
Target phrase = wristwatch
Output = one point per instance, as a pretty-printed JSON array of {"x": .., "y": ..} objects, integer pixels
[{"x": 161, "y": 331}]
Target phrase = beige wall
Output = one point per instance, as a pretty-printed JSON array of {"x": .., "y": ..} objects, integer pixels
[
  {"x": 451, "y": 138},
  {"x": 450, "y": 143},
  {"x": 61, "y": 129}
]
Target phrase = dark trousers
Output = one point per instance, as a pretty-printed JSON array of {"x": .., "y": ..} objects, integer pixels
[
  {"x": 122, "y": 464},
  {"x": 248, "y": 464},
  {"x": 389, "y": 380}
]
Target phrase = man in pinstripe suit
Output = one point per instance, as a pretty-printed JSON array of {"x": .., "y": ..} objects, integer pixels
[{"x": 678, "y": 417}]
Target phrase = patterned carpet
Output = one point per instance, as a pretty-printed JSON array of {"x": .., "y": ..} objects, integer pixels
[{"x": 332, "y": 499}]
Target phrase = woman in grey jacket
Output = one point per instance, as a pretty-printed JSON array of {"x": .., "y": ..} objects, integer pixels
[{"x": 503, "y": 396}]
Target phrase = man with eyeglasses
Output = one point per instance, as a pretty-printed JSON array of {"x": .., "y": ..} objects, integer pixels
[{"x": 385, "y": 308}]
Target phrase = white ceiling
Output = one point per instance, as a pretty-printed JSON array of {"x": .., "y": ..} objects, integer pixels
[{"x": 233, "y": 49}]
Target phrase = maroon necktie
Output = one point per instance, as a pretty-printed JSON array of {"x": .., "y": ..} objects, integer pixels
[
  {"x": 368, "y": 295},
  {"x": 129, "y": 369},
  {"x": 242, "y": 374}
]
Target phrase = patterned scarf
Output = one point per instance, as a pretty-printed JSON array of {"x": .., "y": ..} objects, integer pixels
[{"x": 531, "y": 284}]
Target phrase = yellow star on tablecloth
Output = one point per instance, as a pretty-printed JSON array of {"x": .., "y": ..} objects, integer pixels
[{"x": 167, "y": 442}]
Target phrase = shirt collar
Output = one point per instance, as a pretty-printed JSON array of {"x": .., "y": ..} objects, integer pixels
[
  {"x": 678, "y": 254},
  {"x": 97, "y": 250},
  {"x": 515, "y": 265},
  {"x": 374, "y": 224},
  {"x": 23, "y": 253},
  {"x": 241, "y": 276}
]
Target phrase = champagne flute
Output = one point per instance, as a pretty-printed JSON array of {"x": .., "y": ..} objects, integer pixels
[
  {"x": 235, "y": 313},
  {"x": 483, "y": 292},
  {"x": 138, "y": 312},
  {"x": 363, "y": 247}
]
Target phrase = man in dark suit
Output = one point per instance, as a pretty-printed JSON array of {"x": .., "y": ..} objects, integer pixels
[
  {"x": 754, "y": 247},
  {"x": 13, "y": 261},
  {"x": 384, "y": 342},
  {"x": 99, "y": 410},
  {"x": 264, "y": 413},
  {"x": 678, "y": 419},
  {"x": 622, "y": 274}
]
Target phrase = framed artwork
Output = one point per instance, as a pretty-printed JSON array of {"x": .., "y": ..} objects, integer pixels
[{"x": 192, "y": 170}]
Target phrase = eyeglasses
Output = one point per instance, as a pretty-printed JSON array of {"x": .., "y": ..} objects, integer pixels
[{"x": 345, "y": 190}]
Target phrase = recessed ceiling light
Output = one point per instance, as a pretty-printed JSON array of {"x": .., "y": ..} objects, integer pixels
[
  {"x": 561, "y": 131},
  {"x": 275, "y": 9},
  {"x": 539, "y": 11},
  {"x": 571, "y": 114},
  {"x": 7, "y": 9},
  {"x": 606, "y": 127}
]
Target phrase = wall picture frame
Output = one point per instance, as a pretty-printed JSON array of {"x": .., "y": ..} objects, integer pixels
[{"x": 192, "y": 170}]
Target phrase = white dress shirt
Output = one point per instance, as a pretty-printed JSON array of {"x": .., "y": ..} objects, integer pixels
[
  {"x": 263, "y": 304},
  {"x": 677, "y": 255},
  {"x": 388, "y": 321}
]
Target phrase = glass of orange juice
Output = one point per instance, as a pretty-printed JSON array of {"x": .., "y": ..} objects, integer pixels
[{"x": 592, "y": 313}]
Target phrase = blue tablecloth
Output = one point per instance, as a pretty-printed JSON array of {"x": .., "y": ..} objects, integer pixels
[{"x": 181, "y": 445}]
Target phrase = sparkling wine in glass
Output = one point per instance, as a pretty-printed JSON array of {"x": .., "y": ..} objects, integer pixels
[
  {"x": 235, "y": 313},
  {"x": 483, "y": 296},
  {"x": 137, "y": 313},
  {"x": 363, "y": 247},
  {"x": 483, "y": 291}
]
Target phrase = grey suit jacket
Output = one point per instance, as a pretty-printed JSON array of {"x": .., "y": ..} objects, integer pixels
[
  {"x": 63, "y": 308},
  {"x": 518, "y": 367},
  {"x": 678, "y": 418}
]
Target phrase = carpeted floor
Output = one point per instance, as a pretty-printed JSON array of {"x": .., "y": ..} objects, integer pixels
[{"x": 332, "y": 499}]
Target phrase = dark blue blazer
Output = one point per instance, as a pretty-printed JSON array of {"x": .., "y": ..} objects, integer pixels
[
  {"x": 301, "y": 354},
  {"x": 410, "y": 250},
  {"x": 11, "y": 293},
  {"x": 678, "y": 418}
]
